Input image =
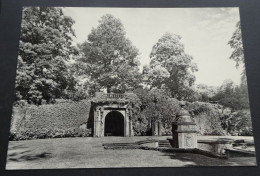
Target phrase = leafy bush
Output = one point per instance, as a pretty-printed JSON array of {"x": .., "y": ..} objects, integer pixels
[
  {"x": 207, "y": 117},
  {"x": 239, "y": 123},
  {"x": 156, "y": 105},
  {"x": 141, "y": 125}
]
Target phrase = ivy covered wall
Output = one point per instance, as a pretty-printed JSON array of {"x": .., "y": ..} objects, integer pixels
[{"x": 67, "y": 119}]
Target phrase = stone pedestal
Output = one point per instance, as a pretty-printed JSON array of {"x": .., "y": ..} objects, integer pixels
[{"x": 184, "y": 130}]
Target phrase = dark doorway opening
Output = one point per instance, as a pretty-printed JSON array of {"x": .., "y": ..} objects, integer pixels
[{"x": 114, "y": 124}]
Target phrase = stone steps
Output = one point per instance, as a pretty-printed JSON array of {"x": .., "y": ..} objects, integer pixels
[
  {"x": 164, "y": 144},
  {"x": 125, "y": 144}
]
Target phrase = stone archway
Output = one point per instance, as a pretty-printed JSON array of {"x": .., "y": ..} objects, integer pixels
[
  {"x": 112, "y": 115},
  {"x": 114, "y": 124}
]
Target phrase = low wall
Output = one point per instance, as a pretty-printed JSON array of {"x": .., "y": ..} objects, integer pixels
[
  {"x": 65, "y": 119},
  {"x": 217, "y": 147}
]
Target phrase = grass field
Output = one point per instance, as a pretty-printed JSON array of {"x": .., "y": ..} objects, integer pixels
[{"x": 89, "y": 153}]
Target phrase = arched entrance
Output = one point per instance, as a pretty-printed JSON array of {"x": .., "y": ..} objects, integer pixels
[{"x": 114, "y": 124}]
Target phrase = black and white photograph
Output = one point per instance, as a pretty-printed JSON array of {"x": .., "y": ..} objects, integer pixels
[{"x": 103, "y": 87}]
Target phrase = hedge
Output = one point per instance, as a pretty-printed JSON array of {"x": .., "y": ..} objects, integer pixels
[
  {"x": 70, "y": 119},
  {"x": 65, "y": 119}
]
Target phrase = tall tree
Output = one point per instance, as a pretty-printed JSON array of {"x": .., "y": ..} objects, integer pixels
[
  {"x": 238, "y": 52},
  {"x": 237, "y": 55},
  {"x": 170, "y": 67},
  {"x": 236, "y": 43},
  {"x": 45, "y": 47},
  {"x": 109, "y": 58}
]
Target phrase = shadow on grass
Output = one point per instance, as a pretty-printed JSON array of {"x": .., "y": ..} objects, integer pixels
[
  {"x": 195, "y": 160},
  {"x": 15, "y": 147},
  {"x": 17, "y": 153},
  {"x": 18, "y": 157},
  {"x": 22, "y": 152},
  {"x": 242, "y": 161}
]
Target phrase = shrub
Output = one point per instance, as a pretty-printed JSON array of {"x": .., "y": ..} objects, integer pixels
[
  {"x": 239, "y": 123},
  {"x": 141, "y": 125},
  {"x": 207, "y": 117}
]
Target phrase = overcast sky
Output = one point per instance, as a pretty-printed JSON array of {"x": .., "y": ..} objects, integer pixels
[{"x": 205, "y": 33}]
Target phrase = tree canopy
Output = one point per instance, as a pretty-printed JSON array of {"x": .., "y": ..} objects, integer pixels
[
  {"x": 240, "y": 98},
  {"x": 206, "y": 92},
  {"x": 236, "y": 43},
  {"x": 109, "y": 58},
  {"x": 50, "y": 67},
  {"x": 232, "y": 96},
  {"x": 45, "y": 47},
  {"x": 170, "y": 67},
  {"x": 237, "y": 55}
]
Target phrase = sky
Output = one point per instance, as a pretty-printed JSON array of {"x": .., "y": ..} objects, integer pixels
[{"x": 205, "y": 34}]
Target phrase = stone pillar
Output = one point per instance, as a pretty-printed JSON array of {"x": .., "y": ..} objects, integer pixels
[
  {"x": 184, "y": 130},
  {"x": 155, "y": 128},
  {"x": 159, "y": 123},
  {"x": 101, "y": 123},
  {"x": 131, "y": 131},
  {"x": 126, "y": 125},
  {"x": 96, "y": 123}
]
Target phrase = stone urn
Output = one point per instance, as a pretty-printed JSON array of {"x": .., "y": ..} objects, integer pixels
[{"x": 184, "y": 132}]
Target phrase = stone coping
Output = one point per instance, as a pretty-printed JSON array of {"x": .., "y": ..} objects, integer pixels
[
  {"x": 116, "y": 101},
  {"x": 215, "y": 141},
  {"x": 212, "y": 141},
  {"x": 185, "y": 131}
]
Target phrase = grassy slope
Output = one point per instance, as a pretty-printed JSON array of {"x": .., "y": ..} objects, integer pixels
[{"x": 89, "y": 153}]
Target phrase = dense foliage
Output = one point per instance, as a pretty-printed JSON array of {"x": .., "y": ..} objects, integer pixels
[
  {"x": 63, "y": 119},
  {"x": 108, "y": 59},
  {"x": 217, "y": 118},
  {"x": 155, "y": 106},
  {"x": 236, "y": 44},
  {"x": 51, "y": 70},
  {"x": 45, "y": 48},
  {"x": 171, "y": 68},
  {"x": 207, "y": 117},
  {"x": 205, "y": 93},
  {"x": 232, "y": 96}
]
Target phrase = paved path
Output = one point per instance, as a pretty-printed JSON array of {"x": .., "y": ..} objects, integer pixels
[{"x": 89, "y": 153}]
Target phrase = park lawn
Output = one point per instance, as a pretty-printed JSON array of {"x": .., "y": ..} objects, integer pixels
[{"x": 88, "y": 152}]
